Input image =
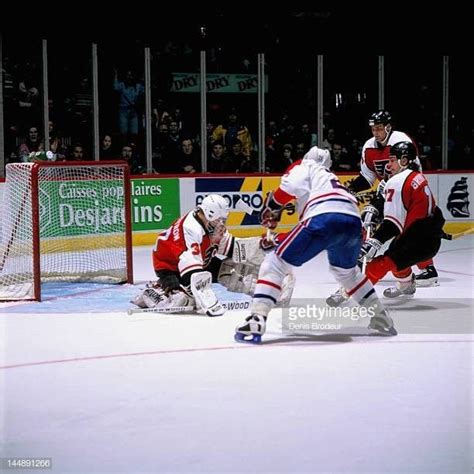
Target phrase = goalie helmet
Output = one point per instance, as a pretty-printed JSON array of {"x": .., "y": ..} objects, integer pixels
[
  {"x": 382, "y": 116},
  {"x": 214, "y": 208},
  {"x": 321, "y": 157}
]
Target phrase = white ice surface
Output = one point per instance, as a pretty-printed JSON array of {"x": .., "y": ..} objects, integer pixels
[{"x": 100, "y": 391}]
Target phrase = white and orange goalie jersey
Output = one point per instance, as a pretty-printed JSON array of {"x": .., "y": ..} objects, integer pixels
[{"x": 187, "y": 247}]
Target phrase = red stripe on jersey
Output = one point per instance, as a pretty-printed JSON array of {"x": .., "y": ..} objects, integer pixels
[
  {"x": 269, "y": 283},
  {"x": 184, "y": 270},
  {"x": 282, "y": 197},
  {"x": 395, "y": 221},
  {"x": 351, "y": 292}
]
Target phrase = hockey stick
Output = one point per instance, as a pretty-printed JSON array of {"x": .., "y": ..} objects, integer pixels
[
  {"x": 177, "y": 309},
  {"x": 229, "y": 305},
  {"x": 243, "y": 206},
  {"x": 458, "y": 235},
  {"x": 364, "y": 260}
]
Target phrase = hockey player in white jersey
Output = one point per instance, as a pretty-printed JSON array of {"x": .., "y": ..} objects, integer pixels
[{"x": 329, "y": 220}]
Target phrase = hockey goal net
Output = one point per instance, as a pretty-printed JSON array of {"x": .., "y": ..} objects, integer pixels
[{"x": 64, "y": 222}]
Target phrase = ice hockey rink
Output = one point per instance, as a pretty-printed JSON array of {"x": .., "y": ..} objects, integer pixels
[{"x": 98, "y": 390}]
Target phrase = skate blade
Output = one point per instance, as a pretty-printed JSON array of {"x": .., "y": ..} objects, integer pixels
[
  {"x": 249, "y": 339},
  {"x": 426, "y": 283},
  {"x": 382, "y": 331},
  {"x": 401, "y": 296}
]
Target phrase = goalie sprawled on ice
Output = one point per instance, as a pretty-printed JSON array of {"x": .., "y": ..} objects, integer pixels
[{"x": 195, "y": 251}]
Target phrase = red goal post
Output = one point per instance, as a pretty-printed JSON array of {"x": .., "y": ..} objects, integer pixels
[{"x": 64, "y": 222}]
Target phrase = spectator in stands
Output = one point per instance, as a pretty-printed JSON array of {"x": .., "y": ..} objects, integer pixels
[
  {"x": 28, "y": 93},
  {"x": 128, "y": 154},
  {"x": 188, "y": 157},
  {"x": 340, "y": 159},
  {"x": 77, "y": 153},
  {"x": 217, "y": 161},
  {"x": 33, "y": 142},
  {"x": 56, "y": 145},
  {"x": 329, "y": 140},
  {"x": 80, "y": 110},
  {"x": 354, "y": 152},
  {"x": 131, "y": 93},
  {"x": 307, "y": 137},
  {"x": 159, "y": 114},
  {"x": 300, "y": 150},
  {"x": 174, "y": 137},
  {"x": 281, "y": 160},
  {"x": 107, "y": 150},
  {"x": 234, "y": 152},
  {"x": 233, "y": 129}
]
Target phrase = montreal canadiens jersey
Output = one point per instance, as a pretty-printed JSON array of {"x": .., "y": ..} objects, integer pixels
[
  {"x": 376, "y": 156},
  {"x": 316, "y": 190},
  {"x": 186, "y": 246},
  {"x": 408, "y": 198}
]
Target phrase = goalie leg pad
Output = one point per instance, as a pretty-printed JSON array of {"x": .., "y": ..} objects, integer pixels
[
  {"x": 158, "y": 299},
  {"x": 204, "y": 294}
]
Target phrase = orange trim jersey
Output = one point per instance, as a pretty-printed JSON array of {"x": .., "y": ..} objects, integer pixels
[
  {"x": 186, "y": 246},
  {"x": 376, "y": 156},
  {"x": 408, "y": 198}
]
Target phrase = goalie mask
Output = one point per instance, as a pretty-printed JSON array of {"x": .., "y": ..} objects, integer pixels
[
  {"x": 321, "y": 157},
  {"x": 215, "y": 210}
]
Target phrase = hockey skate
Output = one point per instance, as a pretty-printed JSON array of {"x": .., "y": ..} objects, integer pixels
[
  {"x": 252, "y": 330},
  {"x": 337, "y": 298},
  {"x": 383, "y": 323},
  {"x": 403, "y": 288},
  {"x": 427, "y": 277}
]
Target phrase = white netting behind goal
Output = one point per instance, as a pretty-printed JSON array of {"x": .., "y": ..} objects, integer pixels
[{"x": 81, "y": 226}]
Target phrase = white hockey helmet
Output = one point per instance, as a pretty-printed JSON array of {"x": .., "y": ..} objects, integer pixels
[
  {"x": 320, "y": 156},
  {"x": 214, "y": 207}
]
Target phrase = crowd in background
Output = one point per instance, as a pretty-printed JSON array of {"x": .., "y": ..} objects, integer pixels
[{"x": 232, "y": 133}]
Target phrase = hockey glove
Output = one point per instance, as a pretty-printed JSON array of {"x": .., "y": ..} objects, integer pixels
[
  {"x": 369, "y": 249},
  {"x": 269, "y": 242},
  {"x": 271, "y": 212},
  {"x": 369, "y": 215}
]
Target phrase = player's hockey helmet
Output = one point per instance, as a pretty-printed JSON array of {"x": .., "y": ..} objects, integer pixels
[
  {"x": 381, "y": 116},
  {"x": 404, "y": 150},
  {"x": 320, "y": 156}
]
